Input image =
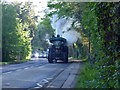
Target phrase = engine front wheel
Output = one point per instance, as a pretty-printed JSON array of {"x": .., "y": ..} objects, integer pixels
[{"x": 50, "y": 60}]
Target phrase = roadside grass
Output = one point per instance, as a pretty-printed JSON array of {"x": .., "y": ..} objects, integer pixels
[
  {"x": 70, "y": 57},
  {"x": 14, "y": 62},
  {"x": 88, "y": 77},
  {"x": 79, "y": 59}
]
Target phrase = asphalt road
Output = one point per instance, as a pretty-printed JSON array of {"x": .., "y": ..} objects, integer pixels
[{"x": 30, "y": 74}]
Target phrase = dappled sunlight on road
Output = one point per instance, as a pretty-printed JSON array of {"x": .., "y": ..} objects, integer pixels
[{"x": 78, "y": 60}]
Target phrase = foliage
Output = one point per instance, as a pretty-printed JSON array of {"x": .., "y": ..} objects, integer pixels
[
  {"x": 88, "y": 77},
  {"x": 105, "y": 47},
  {"x": 82, "y": 48},
  {"x": 18, "y": 26},
  {"x": 105, "y": 42},
  {"x": 43, "y": 32},
  {"x": 9, "y": 32}
]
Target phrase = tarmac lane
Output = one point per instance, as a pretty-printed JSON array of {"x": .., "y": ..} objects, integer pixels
[
  {"x": 33, "y": 63},
  {"x": 33, "y": 74}
]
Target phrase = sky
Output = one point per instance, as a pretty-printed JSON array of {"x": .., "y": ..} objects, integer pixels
[{"x": 39, "y": 5}]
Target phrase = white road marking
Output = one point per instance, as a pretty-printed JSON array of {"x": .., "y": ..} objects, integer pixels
[
  {"x": 8, "y": 72},
  {"x": 40, "y": 67},
  {"x": 25, "y": 68},
  {"x": 36, "y": 87},
  {"x": 39, "y": 85},
  {"x": 49, "y": 78},
  {"x": 45, "y": 80}
]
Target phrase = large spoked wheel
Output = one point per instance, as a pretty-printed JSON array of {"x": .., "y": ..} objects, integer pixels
[
  {"x": 50, "y": 60},
  {"x": 65, "y": 55}
]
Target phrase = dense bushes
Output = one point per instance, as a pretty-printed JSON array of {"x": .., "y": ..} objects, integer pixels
[
  {"x": 89, "y": 77},
  {"x": 106, "y": 46},
  {"x": 105, "y": 38}
]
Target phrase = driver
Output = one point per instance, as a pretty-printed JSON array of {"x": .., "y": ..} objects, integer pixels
[{"x": 58, "y": 35}]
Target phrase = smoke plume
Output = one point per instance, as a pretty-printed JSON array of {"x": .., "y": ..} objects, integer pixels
[{"x": 63, "y": 27}]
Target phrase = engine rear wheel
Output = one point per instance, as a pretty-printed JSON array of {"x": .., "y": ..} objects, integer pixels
[
  {"x": 65, "y": 55},
  {"x": 65, "y": 59},
  {"x": 50, "y": 60}
]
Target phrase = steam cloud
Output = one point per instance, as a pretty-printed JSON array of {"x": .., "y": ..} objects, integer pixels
[{"x": 63, "y": 28}]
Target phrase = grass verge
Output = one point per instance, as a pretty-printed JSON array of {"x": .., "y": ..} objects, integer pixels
[
  {"x": 88, "y": 77},
  {"x": 14, "y": 62}
]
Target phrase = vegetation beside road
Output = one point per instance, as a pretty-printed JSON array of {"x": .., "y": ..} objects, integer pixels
[
  {"x": 18, "y": 27},
  {"x": 14, "y": 62},
  {"x": 89, "y": 77}
]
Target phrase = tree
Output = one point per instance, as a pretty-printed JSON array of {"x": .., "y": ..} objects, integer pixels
[
  {"x": 9, "y": 27},
  {"x": 18, "y": 30},
  {"x": 42, "y": 34},
  {"x": 27, "y": 20}
]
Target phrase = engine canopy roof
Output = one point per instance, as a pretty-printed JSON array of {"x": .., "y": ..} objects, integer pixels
[{"x": 57, "y": 39}]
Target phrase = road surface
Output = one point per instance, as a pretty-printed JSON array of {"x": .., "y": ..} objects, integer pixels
[{"x": 32, "y": 74}]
